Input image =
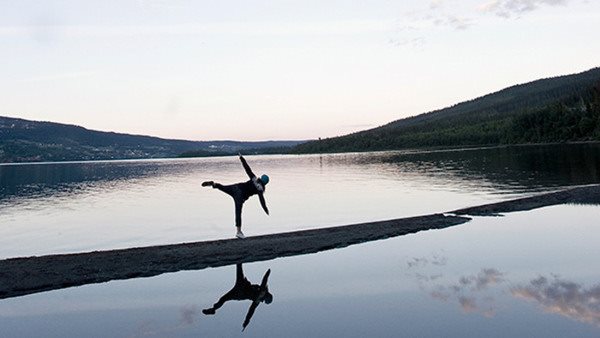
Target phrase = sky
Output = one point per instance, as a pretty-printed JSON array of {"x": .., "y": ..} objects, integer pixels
[{"x": 275, "y": 70}]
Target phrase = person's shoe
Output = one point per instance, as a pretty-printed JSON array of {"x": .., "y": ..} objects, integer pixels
[
  {"x": 240, "y": 235},
  {"x": 208, "y": 183},
  {"x": 208, "y": 311}
]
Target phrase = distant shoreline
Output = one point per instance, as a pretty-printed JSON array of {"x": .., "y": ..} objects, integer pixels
[
  {"x": 245, "y": 153},
  {"x": 452, "y": 148},
  {"x": 27, "y": 275}
]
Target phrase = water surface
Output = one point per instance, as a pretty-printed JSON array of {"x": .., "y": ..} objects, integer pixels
[
  {"x": 528, "y": 274},
  {"x": 480, "y": 279},
  {"x": 75, "y": 207}
]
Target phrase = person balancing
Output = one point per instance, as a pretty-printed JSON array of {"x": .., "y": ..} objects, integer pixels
[{"x": 240, "y": 192}]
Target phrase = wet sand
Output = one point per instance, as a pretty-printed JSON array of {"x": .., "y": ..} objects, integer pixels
[
  {"x": 580, "y": 195},
  {"x": 26, "y": 275}
]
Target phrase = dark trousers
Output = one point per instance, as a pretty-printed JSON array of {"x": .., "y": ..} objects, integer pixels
[{"x": 235, "y": 192}]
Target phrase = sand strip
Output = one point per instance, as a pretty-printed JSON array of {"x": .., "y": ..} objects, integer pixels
[
  {"x": 581, "y": 195},
  {"x": 22, "y": 276}
]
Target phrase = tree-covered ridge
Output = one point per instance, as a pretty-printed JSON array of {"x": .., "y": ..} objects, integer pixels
[
  {"x": 25, "y": 141},
  {"x": 565, "y": 108}
]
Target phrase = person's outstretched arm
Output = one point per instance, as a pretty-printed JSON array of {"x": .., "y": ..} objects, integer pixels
[
  {"x": 263, "y": 203},
  {"x": 247, "y": 167}
]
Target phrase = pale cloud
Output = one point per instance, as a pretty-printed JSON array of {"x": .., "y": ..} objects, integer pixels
[
  {"x": 417, "y": 26},
  {"x": 484, "y": 279},
  {"x": 435, "y": 259},
  {"x": 417, "y": 261},
  {"x": 411, "y": 41},
  {"x": 474, "y": 293},
  {"x": 471, "y": 292},
  {"x": 454, "y": 21},
  {"x": 436, "y": 294},
  {"x": 435, "y": 4},
  {"x": 188, "y": 314},
  {"x": 150, "y": 328},
  {"x": 569, "y": 299},
  {"x": 468, "y": 304},
  {"x": 508, "y": 8}
]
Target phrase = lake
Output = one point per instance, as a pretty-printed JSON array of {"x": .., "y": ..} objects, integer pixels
[{"x": 526, "y": 274}]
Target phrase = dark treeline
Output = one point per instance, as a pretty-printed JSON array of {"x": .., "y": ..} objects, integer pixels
[
  {"x": 249, "y": 151},
  {"x": 32, "y": 141},
  {"x": 558, "y": 109}
]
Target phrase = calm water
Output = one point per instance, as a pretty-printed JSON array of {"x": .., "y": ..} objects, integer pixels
[
  {"x": 528, "y": 274},
  {"x": 480, "y": 279},
  {"x": 74, "y": 207}
]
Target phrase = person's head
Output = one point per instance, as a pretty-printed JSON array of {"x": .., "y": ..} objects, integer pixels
[{"x": 264, "y": 179}]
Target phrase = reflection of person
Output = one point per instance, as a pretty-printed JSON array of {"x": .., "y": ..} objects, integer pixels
[
  {"x": 244, "y": 290},
  {"x": 242, "y": 191}
]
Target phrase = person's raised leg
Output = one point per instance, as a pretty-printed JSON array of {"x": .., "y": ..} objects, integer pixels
[{"x": 231, "y": 190}]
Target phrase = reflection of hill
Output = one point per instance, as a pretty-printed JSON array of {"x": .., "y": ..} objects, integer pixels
[
  {"x": 506, "y": 169},
  {"x": 42, "y": 180},
  {"x": 510, "y": 168}
]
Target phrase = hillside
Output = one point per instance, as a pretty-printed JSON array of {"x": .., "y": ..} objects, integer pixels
[
  {"x": 27, "y": 141},
  {"x": 559, "y": 109}
]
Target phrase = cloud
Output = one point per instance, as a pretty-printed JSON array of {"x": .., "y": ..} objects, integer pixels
[
  {"x": 435, "y": 4},
  {"x": 417, "y": 261},
  {"x": 474, "y": 293},
  {"x": 439, "y": 260},
  {"x": 414, "y": 42},
  {"x": 147, "y": 328},
  {"x": 508, "y": 8},
  {"x": 188, "y": 314},
  {"x": 454, "y": 21},
  {"x": 424, "y": 261},
  {"x": 470, "y": 291},
  {"x": 482, "y": 280},
  {"x": 468, "y": 304},
  {"x": 439, "y": 295},
  {"x": 563, "y": 297},
  {"x": 414, "y": 28}
]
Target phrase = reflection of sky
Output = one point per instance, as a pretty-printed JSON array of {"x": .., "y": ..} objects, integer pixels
[
  {"x": 456, "y": 282},
  {"x": 55, "y": 208},
  {"x": 566, "y": 298},
  {"x": 567, "y": 247}
]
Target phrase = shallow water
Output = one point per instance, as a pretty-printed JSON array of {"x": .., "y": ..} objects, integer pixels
[
  {"x": 528, "y": 274},
  {"x": 75, "y": 207}
]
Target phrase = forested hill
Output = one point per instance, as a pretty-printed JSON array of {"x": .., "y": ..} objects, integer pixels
[
  {"x": 26, "y": 141},
  {"x": 558, "y": 109}
]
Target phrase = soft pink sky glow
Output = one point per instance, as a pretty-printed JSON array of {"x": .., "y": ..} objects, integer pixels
[{"x": 261, "y": 70}]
